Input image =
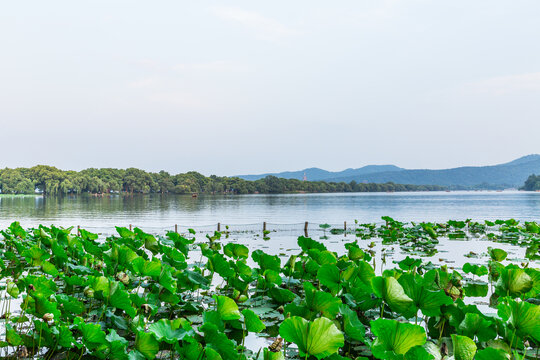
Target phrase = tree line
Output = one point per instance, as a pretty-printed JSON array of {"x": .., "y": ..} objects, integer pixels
[
  {"x": 50, "y": 180},
  {"x": 532, "y": 183}
]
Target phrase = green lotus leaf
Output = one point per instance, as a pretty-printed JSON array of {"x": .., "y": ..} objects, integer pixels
[
  {"x": 319, "y": 338},
  {"x": 49, "y": 268},
  {"x": 64, "y": 336},
  {"x": 12, "y": 289},
  {"x": 252, "y": 321},
  {"x": 329, "y": 276},
  {"x": 323, "y": 257},
  {"x": 213, "y": 317},
  {"x": 418, "y": 353},
  {"x": 497, "y": 254},
  {"x": 167, "y": 331},
  {"x": 236, "y": 250},
  {"x": 408, "y": 263},
  {"x": 227, "y": 308},
  {"x": 534, "y": 274},
  {"x": 321, "y": 302},
  {"x": 352, "y": 326},
  {"x": 146, "y": 344},
  {"x": 146, "y": 268},
  {"x": 70, "y": 305},
  {"x": 35, "y": 255},
  {"x": 113, "y": 336},
  {"x": 125, "y": 232},
  {"x": 492, "y": 354},
  {"x": 390, "y": 290},
  {"x": 44, "y": 305},
  {"x": 522, "y": 318},
  {"x": 395, "y": 338},
  {"x": 464, "y": 347},
  {"x": 101, "y": 285},
  {"x": 513, "y": 282},
  {"x": 476, "y": 325},
  {"x": 166, "y": 279},
  {"x": 150, "y": 242},
  {"x": 270, "y": 355},
  {"x": 211, "y": 354},
  {"x": 12, "y": 337},
  {"x": 135, "y": 355},
  {"x": 355, "y": 253},
  {"x": 272, "y": 277},
  {"x": 221, "y": 265},
  {"x": 120, "y": 299},
  {"x": 281, "y": 296},
  {"x": 307, "y": 243},
  {"x": 474, "y": 269},
  {"x": 219, "y": 342},
  {"x": 174, "y": 257},
  {"x": 266, "y": 261},
  {"x": 429, "y": 302},
  {"x": 92, "y": 334},
  {"x": 476, "y": 290}
]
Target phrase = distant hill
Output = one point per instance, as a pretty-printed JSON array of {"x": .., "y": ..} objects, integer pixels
[
  {"x": 316, "y": 174},
  {"x": 511, "y": 174}
]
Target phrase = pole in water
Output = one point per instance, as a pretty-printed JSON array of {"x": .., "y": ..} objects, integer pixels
[
  {"x": 305, "y": 229},
  {"x": 78, "y": 230},
  {"x": 264, "y": 226},
  {"x": 176, "y": 228},
  {"x": 218, "y": 227},
  {"x": 130, "y": 227},
  {"x": 344, "y": 228}
]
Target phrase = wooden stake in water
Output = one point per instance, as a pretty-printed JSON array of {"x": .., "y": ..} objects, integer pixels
[
  {"x": 78, "y": 230},
  {"x": 130, "y": 227},
  {"x": 264, "y": 227},
  {"x": 305, "y": 229},
  {"x": 176, "y": 228},
  {"x": 218, "y": 227}
]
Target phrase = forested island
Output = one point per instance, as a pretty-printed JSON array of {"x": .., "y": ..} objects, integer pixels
[{"x": 49, "y": 180}]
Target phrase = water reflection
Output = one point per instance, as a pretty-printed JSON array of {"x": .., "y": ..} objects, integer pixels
[{"x": 166, "y": 210}]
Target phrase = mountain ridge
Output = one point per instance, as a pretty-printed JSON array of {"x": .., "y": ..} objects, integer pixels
[{"x": 509, "y": 174}]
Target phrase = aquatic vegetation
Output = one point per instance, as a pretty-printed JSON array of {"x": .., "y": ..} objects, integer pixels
[{"x": 135, "y": 296}]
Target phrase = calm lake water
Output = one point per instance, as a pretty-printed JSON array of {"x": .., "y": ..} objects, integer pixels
[{"x": 158, "y": 213}]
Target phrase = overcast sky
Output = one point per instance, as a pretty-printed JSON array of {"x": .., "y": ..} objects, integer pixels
[{"x": 250, "y": 86}]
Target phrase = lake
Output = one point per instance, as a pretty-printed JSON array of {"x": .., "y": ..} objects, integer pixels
[{"x": 156, "y": 213}]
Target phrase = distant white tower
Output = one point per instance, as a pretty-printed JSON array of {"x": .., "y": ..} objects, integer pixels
[{"x": 305, "y": 177}]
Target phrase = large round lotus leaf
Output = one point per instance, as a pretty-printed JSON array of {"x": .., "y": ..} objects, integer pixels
[
  {"x": 319, "y": 338},
  {"x": 390, "y": 290},
  {"x": 464, "y": 347},
  {"x": 492, "y": 354},
  {"x": 227, "y": 308},
  {"x": 395, "y": 338},
  {"x": 523, "y": 318},
  {"x": 513, "y": 282}
]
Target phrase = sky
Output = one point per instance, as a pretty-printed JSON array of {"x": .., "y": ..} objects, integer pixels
[{"x": 244, "y": 87}]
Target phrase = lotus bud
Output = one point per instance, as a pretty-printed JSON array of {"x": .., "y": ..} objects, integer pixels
[
  {"x": 23, "y": 352},
  {"x": 89, "y": 292},
  {"x": 123, "y": 277},
  {"x": 48, "y": 317},
  {"x": 146, "y": 308}
]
